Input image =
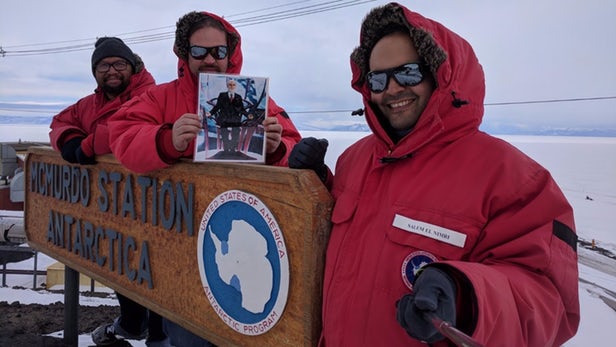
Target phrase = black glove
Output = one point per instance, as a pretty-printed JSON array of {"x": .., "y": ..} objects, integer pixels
[
  {"x": 309, "y": 153},
  {"x": 82, "y": 158},
  {"x": 70, "y": 148},
  {"x": 433, "y": 291}
]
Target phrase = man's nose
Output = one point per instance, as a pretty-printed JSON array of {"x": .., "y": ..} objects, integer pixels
[
  {"x": 393, "y": 87},
  {"x": 209, "y": 58}
]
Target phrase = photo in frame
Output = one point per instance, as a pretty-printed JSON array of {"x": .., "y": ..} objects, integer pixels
[{"x": 232, "y": 109}]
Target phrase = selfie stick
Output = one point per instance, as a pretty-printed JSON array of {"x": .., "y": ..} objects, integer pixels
[{"x": 450, "y": 332}]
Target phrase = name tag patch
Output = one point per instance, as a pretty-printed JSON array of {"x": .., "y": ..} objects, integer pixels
[{"x": 435, "y": 232}]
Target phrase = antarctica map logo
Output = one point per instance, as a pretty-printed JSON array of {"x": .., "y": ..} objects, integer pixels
[
  {"x": 243, "y": 262},
  {"x": 412, "y": 264}
]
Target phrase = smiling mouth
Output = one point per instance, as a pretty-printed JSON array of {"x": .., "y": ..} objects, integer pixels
[
  {"x": 401, "y": 103},
  {"x": 208, "y": 69}
]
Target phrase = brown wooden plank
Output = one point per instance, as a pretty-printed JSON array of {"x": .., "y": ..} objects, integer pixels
[{"x": 299, "y": 202}]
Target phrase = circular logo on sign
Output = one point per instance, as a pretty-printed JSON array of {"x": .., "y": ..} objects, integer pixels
[
  {"x": 243, "y": 262},
  {"x": 412, "y": 264}
]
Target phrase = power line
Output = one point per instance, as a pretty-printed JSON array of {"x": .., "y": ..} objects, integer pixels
[
  {"x": 169, "y": 34},
  {"x": 321, "y": 111},
  {"x": 266, "y": 8},
  {"x": 301, "y": 11},
  {"x": 505, "y": 103},
  {"x": 357, "y": 111},
  {"x": 548, "y": 101}
]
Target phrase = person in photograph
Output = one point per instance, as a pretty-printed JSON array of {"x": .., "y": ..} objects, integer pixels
[
  {"x": 80, "y": 133},
  {"x": 157, "y": 129},
  {"x": 246, "y": 132},
  {"x": 228, "y": 112},
  {"x": 433, "y": 217},
  {"x": 164, "y": 122}
]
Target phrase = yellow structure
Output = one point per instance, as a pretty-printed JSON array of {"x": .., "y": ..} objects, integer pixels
[{"x": 55, "y": 277}]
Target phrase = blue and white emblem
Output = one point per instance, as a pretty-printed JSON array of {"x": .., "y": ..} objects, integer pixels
[
  {"x": 412, "y": 264},
  {"x": 243, "y": 262}
]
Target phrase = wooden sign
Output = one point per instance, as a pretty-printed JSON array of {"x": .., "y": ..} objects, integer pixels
[{"x": 232, "y": 252}]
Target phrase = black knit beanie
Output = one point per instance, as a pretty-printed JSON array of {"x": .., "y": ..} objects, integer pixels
[{"x": 112, "y": 47}]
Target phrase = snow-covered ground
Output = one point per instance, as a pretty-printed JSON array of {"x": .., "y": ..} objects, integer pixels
[{"x": 585, "y": 169}]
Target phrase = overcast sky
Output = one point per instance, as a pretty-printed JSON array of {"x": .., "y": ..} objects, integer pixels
[{"x": 530, "y": 51}]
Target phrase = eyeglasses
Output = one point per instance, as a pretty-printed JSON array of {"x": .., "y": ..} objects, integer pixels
[
  {"x": 217, "y": 52},
  {"x": 119, "y": 65},
  {"x": 406, "y": 75}
]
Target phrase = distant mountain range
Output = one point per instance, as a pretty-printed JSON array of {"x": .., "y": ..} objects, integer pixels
[
  {"x": 312, "y": 124},
  {"x": 548, "y": 131},
  {"x": 26, "y": 120}
]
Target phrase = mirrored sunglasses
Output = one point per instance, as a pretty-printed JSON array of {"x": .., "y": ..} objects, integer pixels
[
  {"x": 406, "y": 75},
  {"x": 217, "y": 52}
]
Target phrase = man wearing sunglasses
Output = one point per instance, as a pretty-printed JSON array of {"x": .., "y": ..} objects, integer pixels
[
  {"x": 157, "y": 129},
  {"x": 164, "y": 121},
  {"x": 434, "y": 218}
]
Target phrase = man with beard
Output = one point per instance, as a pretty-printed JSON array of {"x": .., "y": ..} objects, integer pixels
[
  {"x": 159, "y": 128},
  {"x": 163, "y": 122},
  {"x": 80, "y": 131}
]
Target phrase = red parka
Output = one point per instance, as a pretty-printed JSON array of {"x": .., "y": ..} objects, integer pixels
[
  {"x": 458, "y": 199},
  {"x": 88, "y": 117},
  {"x": 135, "y": 129}
]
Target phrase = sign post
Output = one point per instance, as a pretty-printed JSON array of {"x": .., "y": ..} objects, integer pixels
[{"x": 232, "y": 252}]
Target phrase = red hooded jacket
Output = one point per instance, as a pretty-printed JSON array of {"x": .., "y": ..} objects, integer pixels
[
  {"x": 88, "y": 117},
  {"x": 134, "y": 129},
  {"x": 500, "y": 226}
]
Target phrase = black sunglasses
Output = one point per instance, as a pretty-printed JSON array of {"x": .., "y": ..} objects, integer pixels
[
  {"x": 406, "y": 75},
  {"x": 199, "y": 53}
]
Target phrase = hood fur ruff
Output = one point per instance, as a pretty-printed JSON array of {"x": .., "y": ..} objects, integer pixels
[{"x": 374, "y": 27}]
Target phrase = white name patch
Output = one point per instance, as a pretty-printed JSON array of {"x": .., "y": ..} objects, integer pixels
[{"x": 428, "y": 230}]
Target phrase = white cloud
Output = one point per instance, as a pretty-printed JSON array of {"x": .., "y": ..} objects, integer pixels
[{"x": 529, "y": 50}]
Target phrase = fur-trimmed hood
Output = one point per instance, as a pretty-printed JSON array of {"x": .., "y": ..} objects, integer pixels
[
  {"x": 378, "y": 22},
  {"x": 139, "y": 65},
  {"x": 456, "y": 105},
  {"x": 185, "y": 27}
]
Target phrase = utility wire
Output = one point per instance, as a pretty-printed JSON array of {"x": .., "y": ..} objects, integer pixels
[
  {"x": 359, "y": 112},
  {"x": 169, "y": 34},
  {"x": 506, "y": 103},
  {"x": 266, "y": 8},
  {"x": 301, "y": 11},
  {"x": 548, "y": 101}
]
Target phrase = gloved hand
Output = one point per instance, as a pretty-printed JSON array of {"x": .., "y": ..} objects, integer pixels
[
  {"x": 433, "y": 291},
  {"x": 72, "y": 152},
  {"x": 69, "y": 149},
  {"x": 309, "y": 153},
  {"x": 82, "y": 158}
]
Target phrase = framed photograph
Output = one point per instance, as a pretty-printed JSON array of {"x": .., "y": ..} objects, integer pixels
[{"x": 232, "y": 108}]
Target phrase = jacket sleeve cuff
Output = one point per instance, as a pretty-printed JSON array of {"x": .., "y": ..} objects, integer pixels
[
  {"x": 277, "y": 155},
  {"x": 466, "y": 298},
  {"x": 87, "y": 146},
  {"x": 164, "y": 145}
]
